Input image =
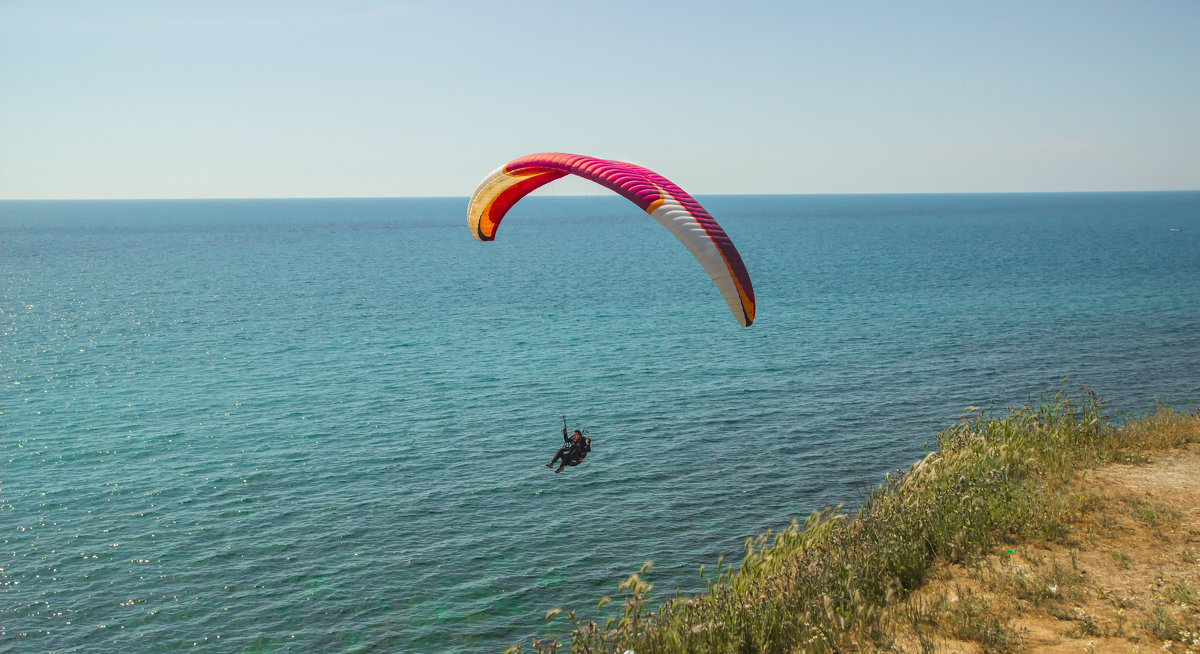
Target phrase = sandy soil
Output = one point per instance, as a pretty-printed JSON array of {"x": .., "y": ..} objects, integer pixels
[{"x": 1126, "y": 578}]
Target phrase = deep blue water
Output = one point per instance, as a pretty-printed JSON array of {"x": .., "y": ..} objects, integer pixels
[{"x": 320, "y": 425}]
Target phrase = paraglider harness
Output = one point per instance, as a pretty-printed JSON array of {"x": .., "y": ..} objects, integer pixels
[{"x": 579, "y": 449}]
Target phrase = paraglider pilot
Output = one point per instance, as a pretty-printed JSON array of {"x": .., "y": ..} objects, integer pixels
[{"x": 571, "y": 454}]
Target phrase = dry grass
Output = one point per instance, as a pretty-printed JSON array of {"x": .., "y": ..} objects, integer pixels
[{"x": 1127, "y": 579}]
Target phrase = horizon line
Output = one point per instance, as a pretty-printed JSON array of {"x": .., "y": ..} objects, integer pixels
[{"x": 573, "y": 195}]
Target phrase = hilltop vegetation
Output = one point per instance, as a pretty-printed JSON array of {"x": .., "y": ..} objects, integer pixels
[{"x": 975, "y": 548}]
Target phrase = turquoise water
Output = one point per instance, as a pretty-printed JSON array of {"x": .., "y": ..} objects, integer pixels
[{"x": 320, "y": 425}]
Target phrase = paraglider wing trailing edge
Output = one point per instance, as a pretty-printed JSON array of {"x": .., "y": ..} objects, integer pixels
[{"x": 653, "y": 193}]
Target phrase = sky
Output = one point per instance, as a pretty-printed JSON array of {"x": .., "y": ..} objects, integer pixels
[{"x": 378, "y": 98}]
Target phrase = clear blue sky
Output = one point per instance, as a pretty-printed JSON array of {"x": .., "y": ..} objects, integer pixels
[{"x": 122, "y": 99}]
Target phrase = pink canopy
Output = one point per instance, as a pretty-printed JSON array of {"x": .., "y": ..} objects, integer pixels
[{"x": 655, "y": 194}]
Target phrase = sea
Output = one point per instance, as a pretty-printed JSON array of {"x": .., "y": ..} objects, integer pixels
[{"x": 322, "y": 425}]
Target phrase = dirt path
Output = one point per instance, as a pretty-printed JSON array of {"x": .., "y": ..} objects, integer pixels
[{"x": 1124, "y": 578}]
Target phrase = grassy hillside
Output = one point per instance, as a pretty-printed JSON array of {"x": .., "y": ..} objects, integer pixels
[{"x": 860, "y": 581}]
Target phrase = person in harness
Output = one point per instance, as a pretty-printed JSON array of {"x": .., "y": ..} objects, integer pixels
[{"x": 572, "y": 454}]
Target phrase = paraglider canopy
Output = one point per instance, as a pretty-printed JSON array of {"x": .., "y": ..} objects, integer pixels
[{"x": 674, "y": 209}]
